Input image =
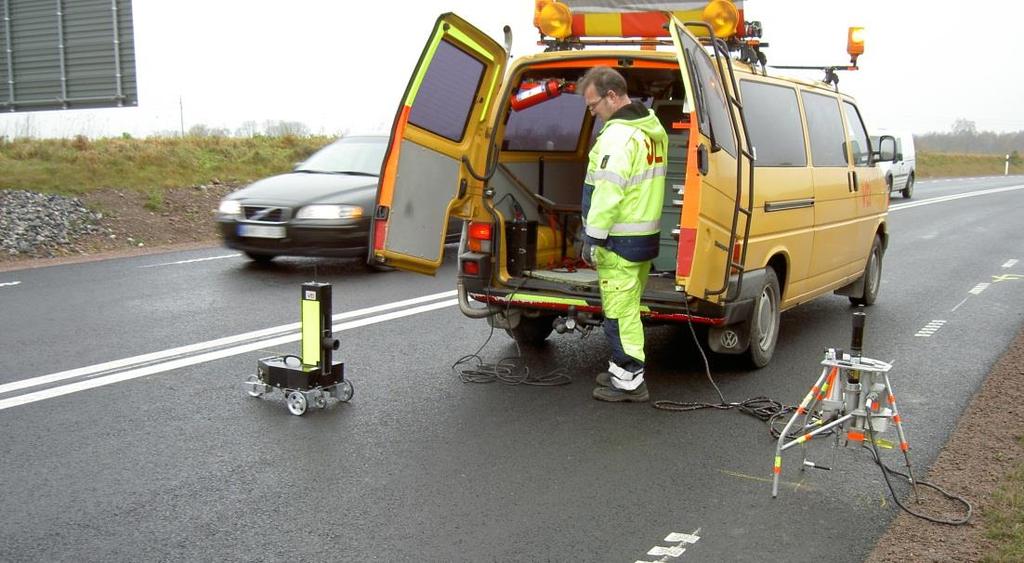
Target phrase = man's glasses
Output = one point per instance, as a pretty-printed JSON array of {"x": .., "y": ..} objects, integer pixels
[{"x": 592, "y": 105}]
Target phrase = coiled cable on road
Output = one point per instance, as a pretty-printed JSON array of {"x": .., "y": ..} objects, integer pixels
[{"x": 510, "y": 370}]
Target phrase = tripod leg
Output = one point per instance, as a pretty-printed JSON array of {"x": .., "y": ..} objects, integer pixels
[{"x": 904, "y": 445}]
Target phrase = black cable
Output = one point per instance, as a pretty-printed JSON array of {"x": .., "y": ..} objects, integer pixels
[
  {"x": 510, "y": 370},
  {"x": 886, "y": 470}
]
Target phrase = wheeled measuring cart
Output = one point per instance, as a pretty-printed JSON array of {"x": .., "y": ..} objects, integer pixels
[{"x": 314, "y": 378}]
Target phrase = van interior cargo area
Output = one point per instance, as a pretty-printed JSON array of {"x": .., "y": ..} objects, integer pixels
[{"x": 538, "y": 183}]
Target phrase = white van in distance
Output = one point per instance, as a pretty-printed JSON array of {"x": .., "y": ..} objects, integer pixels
[{"x": 899, "y": 175}]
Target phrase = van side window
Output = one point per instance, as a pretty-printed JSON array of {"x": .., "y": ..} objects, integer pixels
[
  {"x": 553, "y": 125},
  {"x": 773, "y": 123},
  {"x": 825, "y": 127},
  {"x": 858, "y": 136},
  {"x": 446, "y": 95}
]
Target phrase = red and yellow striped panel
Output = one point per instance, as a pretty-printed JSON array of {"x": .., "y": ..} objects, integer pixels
[{"x": 635, "y": 24}]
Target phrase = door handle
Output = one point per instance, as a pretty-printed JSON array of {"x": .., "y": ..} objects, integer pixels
[{"x": 856, "y": 186}]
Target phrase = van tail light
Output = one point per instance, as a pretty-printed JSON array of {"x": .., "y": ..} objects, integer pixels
[
  {"x": 471, "y": 268},
  {"x": 480, "y": 237}
]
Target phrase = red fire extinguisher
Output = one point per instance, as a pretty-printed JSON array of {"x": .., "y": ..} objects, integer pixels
[{"x": 532, "y": 94}]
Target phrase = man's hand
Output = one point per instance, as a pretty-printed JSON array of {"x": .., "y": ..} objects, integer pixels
[{"x": 587, "y": 253}]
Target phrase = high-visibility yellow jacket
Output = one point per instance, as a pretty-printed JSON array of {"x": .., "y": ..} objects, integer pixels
[{"x": 624, "y": 189}]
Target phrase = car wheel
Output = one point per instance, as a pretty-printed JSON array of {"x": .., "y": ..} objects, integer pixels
[
  {"x": 532, "y": 331},
  {"x": 908, "y": 190},
  {"x": 764, "y": 321},
  {"x": 872, "y": 275},
  {"x": 260, "y": 258}
]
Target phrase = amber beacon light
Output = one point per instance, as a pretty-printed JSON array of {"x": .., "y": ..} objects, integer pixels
[
  {"x": 722, "y": 16},
  {"x": 553, "y": 18},
  {"x": 855, "y": 43}
]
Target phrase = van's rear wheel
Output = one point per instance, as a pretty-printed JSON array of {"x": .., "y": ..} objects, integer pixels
[
  {"x": 764, "y": 322},
  {"x": 908, "y": 190},
  {"x": 532, "y": 331},
  {"x": 872, "y": 275}
]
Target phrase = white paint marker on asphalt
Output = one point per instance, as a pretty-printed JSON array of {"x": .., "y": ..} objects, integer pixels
[
  {"x": 9, "y": 284},
  {"x": 930, "y": 329},
  {"x": 1010, "y": 263},
  {"x": 979, "y": 288}
]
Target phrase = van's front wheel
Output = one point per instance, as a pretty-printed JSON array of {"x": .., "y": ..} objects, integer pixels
[
  {"x": 532, "y": 331},
  {"x": 764, "y": 322}
]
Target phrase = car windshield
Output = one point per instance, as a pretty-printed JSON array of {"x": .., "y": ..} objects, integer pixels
[{"x": 350, "y": 155}]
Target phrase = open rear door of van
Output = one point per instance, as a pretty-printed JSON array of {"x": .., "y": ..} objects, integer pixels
[
  {"x": 708, "y": 226},
  {"x": 439, "y": 130}
]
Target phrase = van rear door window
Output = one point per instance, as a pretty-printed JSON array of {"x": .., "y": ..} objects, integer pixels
[
  {"x": 858, "y": 136},
  {"x": 825, "y": 127},
  {"x": 446, "y": 95},
  {"x": 774, "y": 124},
  {"x": 552, "y": 125}
]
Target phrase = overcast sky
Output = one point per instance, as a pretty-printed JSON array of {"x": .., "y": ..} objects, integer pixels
[{"x": 338, "y": 65}]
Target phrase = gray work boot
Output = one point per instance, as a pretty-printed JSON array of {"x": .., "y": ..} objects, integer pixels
[
  {"x": 604, "y": 379},
  {"x": 616, "y": 395}
]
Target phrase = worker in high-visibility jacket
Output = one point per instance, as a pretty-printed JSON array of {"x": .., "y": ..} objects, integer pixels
[{"x": 623, "y": 195}]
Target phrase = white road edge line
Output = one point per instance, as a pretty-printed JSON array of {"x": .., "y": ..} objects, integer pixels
[
  {"x": 207, "y": 357},
  {"x": 201, "y": 346},
  {"x": 7, "y": 284},
  {"x": 954, "y": 197},
  {"x": 221, "y": 257}
]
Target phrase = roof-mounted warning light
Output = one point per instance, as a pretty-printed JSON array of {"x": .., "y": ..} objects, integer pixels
[
  {"x": 854, "y": 47},
  {"x": 563, "y": 23}
]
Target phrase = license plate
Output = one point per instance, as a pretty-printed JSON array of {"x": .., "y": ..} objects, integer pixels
[{"x": 260, "y": 231}]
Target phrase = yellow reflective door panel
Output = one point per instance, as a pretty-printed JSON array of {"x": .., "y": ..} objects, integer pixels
[{"x": 439, "y": 130}]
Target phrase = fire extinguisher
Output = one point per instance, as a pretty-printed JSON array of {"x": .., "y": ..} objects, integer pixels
[{"x": 531, "y": 95}]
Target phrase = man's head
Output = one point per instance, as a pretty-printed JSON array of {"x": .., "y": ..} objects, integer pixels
[{"x": 604, "y": 91}]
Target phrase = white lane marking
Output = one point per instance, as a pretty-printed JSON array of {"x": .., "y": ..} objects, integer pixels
[
  {"x": 979, "y": 288},
  {"x": 221, "y": 257},
  {"x": 953, "y": 197},
  {"x": 201, "y": 346},
  {"x": 207, "y": 357},
  {"x": 959, "y": 304},
  {"x": 930, "y": 329},
  {"x": 678, "y": 538},
  {"x": 1010, "y": 263},
  {"x": 7, "y": 284}
]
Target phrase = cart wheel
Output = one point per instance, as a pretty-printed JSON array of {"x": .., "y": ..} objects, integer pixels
[
  {"x": 344, "y": 391},
  {"x": 252, "y": 380},
  {"x": 296, "y": 403},
  {"x": 319, "y": 400}
]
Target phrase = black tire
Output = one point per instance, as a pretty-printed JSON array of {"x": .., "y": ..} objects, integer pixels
[
  {"x": 764, "y": 321},
  {"x": 872, "y": 275},
  {"x": 908, "y": 190},
  {"x": 259, "y": 258},
  {"x": 532, "y": 331}
]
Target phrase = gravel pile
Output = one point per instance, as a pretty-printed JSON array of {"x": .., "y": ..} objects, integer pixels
[{"x": 39, "y": 224}]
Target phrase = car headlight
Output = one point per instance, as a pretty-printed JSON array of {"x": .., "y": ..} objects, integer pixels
[
  {"x": 229, "y": 207},
  {"x": 324, "y": 211}
]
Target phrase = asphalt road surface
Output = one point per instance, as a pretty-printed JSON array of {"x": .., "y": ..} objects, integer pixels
[{"x": 127, "y": 434}]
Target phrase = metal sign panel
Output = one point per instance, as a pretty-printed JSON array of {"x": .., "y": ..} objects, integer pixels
[{"x": 66, "y": 54}]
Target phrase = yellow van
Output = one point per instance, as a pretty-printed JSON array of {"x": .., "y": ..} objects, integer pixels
[{"x": 773, "y": 196}]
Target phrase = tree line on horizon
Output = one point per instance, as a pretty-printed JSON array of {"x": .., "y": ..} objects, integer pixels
[{"x": 964, "y": 138}]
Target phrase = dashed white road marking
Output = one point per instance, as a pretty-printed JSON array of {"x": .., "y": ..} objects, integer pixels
[
  {"x": 979, "y": 288},
  {"x": 679, "y": 539},
  {"x": 221, "y": 257},
  {"x": 7, "y": 284},
  {"x": 1010, "y": 263},
  {"x": 930, "y": 328}
]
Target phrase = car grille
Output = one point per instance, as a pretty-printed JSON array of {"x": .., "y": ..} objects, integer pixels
[{"x": 263, "y": 214}]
